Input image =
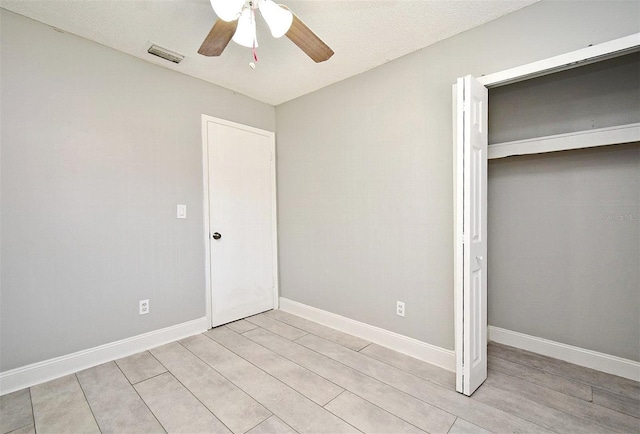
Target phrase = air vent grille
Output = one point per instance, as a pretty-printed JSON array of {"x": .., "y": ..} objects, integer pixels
[{"x": 169, "y": 55}]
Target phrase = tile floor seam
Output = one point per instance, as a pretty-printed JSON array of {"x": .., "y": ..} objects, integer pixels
[
  {"x": 334, "y": 398},
  {"x": 368, "y": 345},
  {"x": 601, "y": 389},
  {"x": 591, "y": 386},
  {"x": 287, "y": 324},
  {"x": 153, "y": 376},
  {"x": 586, "y": 407},
  {"x": 563, "y": 411},
  {"x": 278, "y": 380},
  {"x": 380, "y": 381},
  {"x": 262, "y": 421},
  {"x": 295, "y": 363},
  {"x": 140, "y": 381},
  {"x": 225, "y": 377},
  {"x": 503, "y": 371},
  {"x": 220, "y": 374},
  {"x": 529, "y": 418},
  {"x": 158, "y": 360},
  {"x": 287, "y": 424},
  {"x": 257, "y": 367},
  {"x": 33, "y": 414},
  {"x": 392, "y": 414},
  {"x": 281, "y": 322},
  {"x": 408, "y": 394},
  {"x": 543, "y": 357},
  {"x": 402, "y": 369},
  {"x": 191, "y": 393},
  {"x": 286, "y": 358},
  {"x": 636, "y": 413},
  {"x": 375, "y": 379},
  {"x": 454, "y": 422},
  {"x": 313, "y": 334},
  {"x": 275, "y": 378},
  {"x": 349, "y": 424},
  {"x": 322, "y": 325},
  {"x": 85, "y": 398},
  {"x": 347, "y": 348},
  {"x": 273, "y": 415},
  {"x": 141, "y": 399},
  {"x": 20, "y": 427},
  {"x": 547, "y": 372},
  {"x": 232, "y": 322}
]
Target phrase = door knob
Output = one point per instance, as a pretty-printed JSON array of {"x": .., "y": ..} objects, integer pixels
[
  {"x": 479, "y": 258},
  {"x": 216, "y": 236}
]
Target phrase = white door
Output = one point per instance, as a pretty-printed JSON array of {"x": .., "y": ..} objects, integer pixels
[
  {"x": 242, "y": 220},
  {"x": 471, "y": 234}
]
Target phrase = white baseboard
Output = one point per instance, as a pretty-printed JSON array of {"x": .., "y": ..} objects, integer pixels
[
  {"x": 412, "y": 347},
  {"x": 591, "y": 359},
  {"x": 30, "y": 375}
]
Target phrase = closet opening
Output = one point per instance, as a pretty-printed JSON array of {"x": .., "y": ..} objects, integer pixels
[
  {"x": 563, "y": 236},
  {"x": 564, "y": 226}
]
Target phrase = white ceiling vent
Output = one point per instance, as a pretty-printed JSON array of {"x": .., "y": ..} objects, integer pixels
[{"x": 169, "y": 55}]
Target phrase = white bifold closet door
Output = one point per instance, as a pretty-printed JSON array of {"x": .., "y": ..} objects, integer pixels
[{"x": 471, "y": 234}]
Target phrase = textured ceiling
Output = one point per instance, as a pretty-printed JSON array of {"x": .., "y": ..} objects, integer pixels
[{"x": 363, "y": 34}]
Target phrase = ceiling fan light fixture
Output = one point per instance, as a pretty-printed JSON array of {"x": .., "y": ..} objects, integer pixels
[
  {"x": 245, "y": 34},
  {"x": 278, "y": 18},
  {"x": 227, "y": 10}
]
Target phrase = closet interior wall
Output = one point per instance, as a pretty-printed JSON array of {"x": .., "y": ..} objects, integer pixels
[{"x": 564, "y": 229}]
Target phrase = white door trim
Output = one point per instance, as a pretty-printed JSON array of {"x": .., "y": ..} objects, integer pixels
[
  {"x": 572, "y": 59},
  {"x": 205, "y": 207}
]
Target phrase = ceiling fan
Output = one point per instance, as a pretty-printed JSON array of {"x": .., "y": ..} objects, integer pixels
[{"x": 236, "y": 20}]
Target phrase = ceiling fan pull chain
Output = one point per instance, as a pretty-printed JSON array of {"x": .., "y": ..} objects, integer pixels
[{"x": 255, "y": 37}]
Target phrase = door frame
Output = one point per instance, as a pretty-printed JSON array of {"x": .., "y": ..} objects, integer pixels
[
  {"x": 205, "y": 206},
  {"x": 572, "y": 59}
]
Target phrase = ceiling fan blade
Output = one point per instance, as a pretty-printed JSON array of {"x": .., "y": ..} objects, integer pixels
[
  {"x": 307, "y": 41},
  {"x": 218, "y": 38}
]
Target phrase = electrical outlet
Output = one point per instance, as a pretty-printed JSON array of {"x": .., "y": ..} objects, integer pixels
[
  {"x": 143, "y": 307},
  {"x": 400, "y": 308}
]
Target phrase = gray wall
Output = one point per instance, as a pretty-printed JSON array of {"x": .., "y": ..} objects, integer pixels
[
  {"x": 603, "y": 94},
  {"x": 98, "y": 147},
  {"x": 365, "y": 169},
  {"x": 564, "y": 247}
]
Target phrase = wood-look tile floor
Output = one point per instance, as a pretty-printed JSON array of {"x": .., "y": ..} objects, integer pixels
[{"x": 278, "y": 373}]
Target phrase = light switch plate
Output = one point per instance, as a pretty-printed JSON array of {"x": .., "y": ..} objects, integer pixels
[{"x": 182, "y": 211}]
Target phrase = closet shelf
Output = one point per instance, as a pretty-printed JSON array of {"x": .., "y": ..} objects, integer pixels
[{"x": 562, "y": 142}]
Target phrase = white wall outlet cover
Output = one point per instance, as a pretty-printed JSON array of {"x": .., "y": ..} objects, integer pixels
[
  {"x": 400, "y": 308},
  {"x": 143, "y": 307},
  {"x": 182, "y": 212}
]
